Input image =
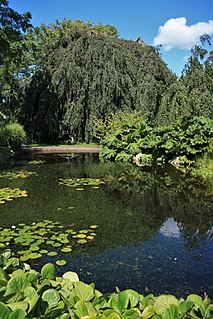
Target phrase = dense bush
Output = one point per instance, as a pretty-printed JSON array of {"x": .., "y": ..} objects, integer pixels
[
  {"x": 12, "y": 135},
  {"x": 26, "y": 293},
  {"x": 179, "y": 143}
]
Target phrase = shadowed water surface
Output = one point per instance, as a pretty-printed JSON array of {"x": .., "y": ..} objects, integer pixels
[{"x": 154, "y": 227}]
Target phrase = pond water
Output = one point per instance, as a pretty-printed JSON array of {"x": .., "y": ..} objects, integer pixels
[{"x": 154, "y": 230}]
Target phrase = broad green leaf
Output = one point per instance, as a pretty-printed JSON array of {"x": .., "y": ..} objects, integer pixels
[
  {"x": 3, "y": 275},
  {"x": 209, "y": 312},
  {"x": 31, "y": 297},
  {"x": 30, "y": 293},
  {"x": 185, "y": 306},
  {"x": 18, "y": 305},
  {"x": 131, "y": 314},
  {"x": 163, "y": 302},
  {"x": 83, "y": 291},
  {"x": 4, "y": 311},
  {"x": 17, "y": 284},
  {"x": 51, "y": 296},
  {"x": 148, "y": 312},
  {"x": 122, "y": 302},
  {"x": 171, "y": 312},
  {"x": 81, "y": 308},
  {"x": 48, "y": 271},
  {"x": 71, "y": 276},
  {"x": 113, "y": 303},
  {"x": 133, "y": 297},
  {"x": 64, "y": 316},
  {"x": 198, "y": 303},
  {"x": 18, "y": 272},
  {"x": 114, "y": 315},
  {"x": 99, "y": 316},
  {"x": 18, "y": 314}
]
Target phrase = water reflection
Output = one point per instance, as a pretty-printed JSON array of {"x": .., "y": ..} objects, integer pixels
[
  {"x": 154, "y": 227},
  {"x": 170, "y": 228}
]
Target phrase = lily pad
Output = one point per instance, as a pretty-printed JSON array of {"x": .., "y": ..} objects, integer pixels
[
  {"x": 35, "y": 255},
  {"x": 8, "y": 194},
  {"x": 52, "y": 253},
  {"x": 93, "y": 226},
  {"x": 37, "y": 238},
  {"x": 82, "y": 241},
  {"x": 81, "y": 235},
  {"x": 61, "y": 262},
  {"x": 16, "y": 175},
  {"x": 80, "y": 183},
  {"x": 66, "y": 249},
  {"x": 90, "y": 237}
]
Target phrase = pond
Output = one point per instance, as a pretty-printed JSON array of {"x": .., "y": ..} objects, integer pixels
[{"x": 154, "y": 227}]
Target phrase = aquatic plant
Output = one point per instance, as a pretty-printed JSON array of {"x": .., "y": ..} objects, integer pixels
[
  {"x": 79, "y": 183},
  {"x": 32, "y": 241},
  {"x": 35, "y": 162},
  {"x": 26, "y": 293},
  {"x": 8, "y": 194},
  {"x": 16, "y": 175}
]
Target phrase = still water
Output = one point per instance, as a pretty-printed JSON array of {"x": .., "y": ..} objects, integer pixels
[{"x": 154, "y": 230}]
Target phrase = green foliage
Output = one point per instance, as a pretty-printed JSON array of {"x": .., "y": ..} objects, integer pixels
[
  {"x": 84, "y": 78},
  {"x": 12, "y": 135},
  {"x": 179, "y": 143},
  {"x": 203, "y": 169},
  {"x": 5, "y": 154},
  {"x": 191, "y": 95},
  {"x": 26, "y": 293},
  {"x": 12, "y": 54},
  {"x": 122, "y": 138}
]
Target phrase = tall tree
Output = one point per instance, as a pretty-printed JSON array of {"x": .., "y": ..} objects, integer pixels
[
  {"x": 191, "y": 95},
  {"x": 12, "y": 48},
  {"x": 86, "y": 75}
]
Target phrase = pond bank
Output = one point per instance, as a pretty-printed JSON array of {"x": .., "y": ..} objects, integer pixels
[{"x": 60, "y": 149}]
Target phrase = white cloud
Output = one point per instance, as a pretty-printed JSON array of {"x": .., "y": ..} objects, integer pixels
[{"x": 176, "y": 34}]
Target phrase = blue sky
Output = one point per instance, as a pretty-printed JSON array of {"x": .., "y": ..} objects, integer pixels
[{"x": 177, "y": 24}]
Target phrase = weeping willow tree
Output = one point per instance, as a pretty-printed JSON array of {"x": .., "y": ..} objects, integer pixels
[{"x": 85, "y": 76}]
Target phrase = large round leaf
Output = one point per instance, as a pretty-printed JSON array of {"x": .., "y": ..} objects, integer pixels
[
  {"x": 17, "y": 284},
  {"x": 83, "y": 291},
  {"x": 18, "y": 314},
  {"x": 51, "y": 296},
  {"x": 4, "y": 311},
  {"x": 71, "y": 276},
  {"x": 163, "y": 302},
  {"x": 48, "y": 271}
]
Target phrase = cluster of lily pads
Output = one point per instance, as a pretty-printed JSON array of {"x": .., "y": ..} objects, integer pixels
[
  {"x": 8, "y": 194},
  {"x": 80, "y": 183},
  {"x": 32, "y": 241},
  {"x": 35, "y": 162},
  {"x": 16, "y": 175}
]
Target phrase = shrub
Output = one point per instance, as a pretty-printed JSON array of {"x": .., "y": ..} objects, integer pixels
[
  {"x": 180, "y": 143},
  {"x": 12, "y": 135}
]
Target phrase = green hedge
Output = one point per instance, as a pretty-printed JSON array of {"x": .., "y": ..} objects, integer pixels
[{"x": 26, "y": 293}]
